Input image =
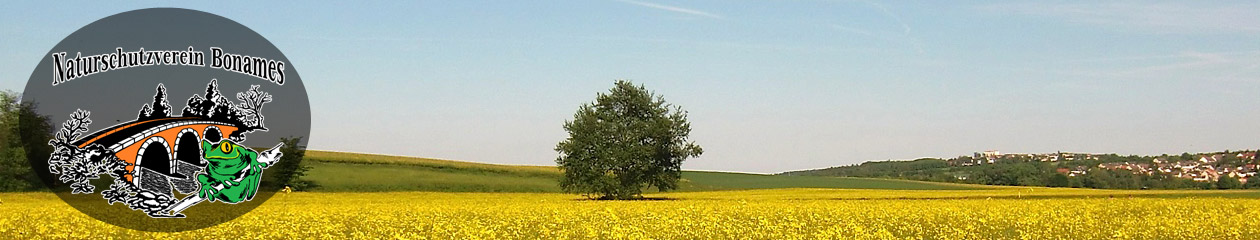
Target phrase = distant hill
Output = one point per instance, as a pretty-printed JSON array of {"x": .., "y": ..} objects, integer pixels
[
  {"x": 358, "y": 172},
  {"x": 882, "y": 169},
  {"x": 1215, "y": 170}
]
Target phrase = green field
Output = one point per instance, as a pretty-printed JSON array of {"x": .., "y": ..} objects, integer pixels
[
  {"x": 356, "y": 172},
  {"x": 377, "y": 196}
]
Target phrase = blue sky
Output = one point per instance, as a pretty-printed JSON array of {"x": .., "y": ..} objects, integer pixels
[{"x": 770, "y": 85}]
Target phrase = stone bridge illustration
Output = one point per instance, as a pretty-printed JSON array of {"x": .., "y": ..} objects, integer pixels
[
  {"x": 157, "y": 155},
  {"x": 169, "y": 147},
  {"x": 160, "y": 151}
]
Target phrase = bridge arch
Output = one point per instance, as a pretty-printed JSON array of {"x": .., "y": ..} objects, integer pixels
[
  {"x": 188, "y": 147},
  {"x": 154, "y": 154},
  {"x": 213, "y": 134}
]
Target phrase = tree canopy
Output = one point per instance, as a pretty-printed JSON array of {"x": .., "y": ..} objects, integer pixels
[
  {"x": 289, "y": 170},
  {"x": 20, "y": 125},
  {"x": 626, "y": 141}
]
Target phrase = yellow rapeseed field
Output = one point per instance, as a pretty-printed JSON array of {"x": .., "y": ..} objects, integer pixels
[{"x": 1011, "y": 213}]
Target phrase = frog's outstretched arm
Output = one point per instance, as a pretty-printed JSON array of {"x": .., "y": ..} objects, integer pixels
[{"x": 271, "y": 156}]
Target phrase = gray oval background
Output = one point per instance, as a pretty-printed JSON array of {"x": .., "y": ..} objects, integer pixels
[{"x": 116, "y": 96}]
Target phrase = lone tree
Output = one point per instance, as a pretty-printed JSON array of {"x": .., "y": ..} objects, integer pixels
[
  {"x": 626, "y": 141},
  {"x": 289, "y": 170}
]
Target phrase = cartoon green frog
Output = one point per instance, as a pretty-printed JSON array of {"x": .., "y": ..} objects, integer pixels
[
  {"x": 232, "y": 175},
  {"x": 233, "y": 172}
]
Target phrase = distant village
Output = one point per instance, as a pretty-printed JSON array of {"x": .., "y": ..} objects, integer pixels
[{"x": 1203, "y": 167}]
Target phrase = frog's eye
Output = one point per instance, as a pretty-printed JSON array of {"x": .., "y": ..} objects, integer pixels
[{"x": 225, "y": 147}]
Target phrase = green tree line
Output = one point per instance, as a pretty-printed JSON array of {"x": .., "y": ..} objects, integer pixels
[
  {"x": 20, "y": 125},
  {"x": 1031, "y": 172}
]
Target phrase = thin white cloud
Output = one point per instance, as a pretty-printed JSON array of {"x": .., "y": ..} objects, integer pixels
[
  {"x": 862, "y": 32},
  {"x": 1168, "y": 18},
  {"x": 1189, "y": 54},
  {"x": 673, "y": 9},
  {"x": 1237, "y": 74},
  {"x": 1189, "y": 60},
  {"x": 904, "y": 37},
  {"x": 1216, "y": 66},
  {"x": 905, "y": 28},
  {"x": 723, "y": 44},
  {"x": 893, "y": 38}
]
